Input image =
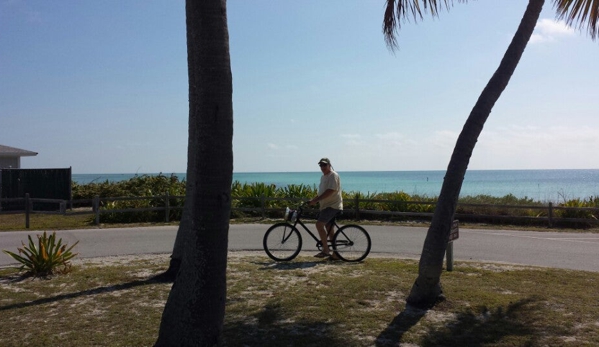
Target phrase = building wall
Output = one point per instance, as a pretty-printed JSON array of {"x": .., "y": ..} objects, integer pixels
[{"x": 12, "y": 162}]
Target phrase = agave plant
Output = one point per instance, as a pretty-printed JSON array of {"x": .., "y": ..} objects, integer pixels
[{"x": 47, "y": 257}]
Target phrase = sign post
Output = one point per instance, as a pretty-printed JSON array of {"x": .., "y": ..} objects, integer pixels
[{"x": 454, "y": 234}]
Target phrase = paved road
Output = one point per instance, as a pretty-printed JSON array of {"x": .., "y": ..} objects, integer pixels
[{"x": 579, "y": 251}]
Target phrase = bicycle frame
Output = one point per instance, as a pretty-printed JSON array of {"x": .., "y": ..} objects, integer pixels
[
  {"x": 283, "y": 241},
  {"x": 298, "y": 220}
]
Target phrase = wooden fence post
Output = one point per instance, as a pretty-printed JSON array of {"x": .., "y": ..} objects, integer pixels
[
  {"x": 27, "y": 210},
  {"x": 166, "y": 207},
  {"x": 449, "y": 256},
  {"x": 96, "y": 208},
  {"x": 357, "y": 207},
  {"x": 550, "y": 215}
]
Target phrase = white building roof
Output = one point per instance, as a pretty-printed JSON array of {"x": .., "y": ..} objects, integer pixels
[{"x": 6, "y": 151}]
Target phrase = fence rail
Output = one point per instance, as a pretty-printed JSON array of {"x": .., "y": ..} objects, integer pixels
[{"x": 97, "y": 207}]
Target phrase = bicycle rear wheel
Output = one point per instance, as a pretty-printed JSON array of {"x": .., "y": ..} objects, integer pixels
[
  {"x": 351, "y": 243},
  {"x": 282, "y": 242}
]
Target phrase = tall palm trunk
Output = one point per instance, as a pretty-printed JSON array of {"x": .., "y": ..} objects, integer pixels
[
  {"x": 194, "y": 312},
  {"x": 427, "y": 288},
  {"x": 184, "y": 232}
]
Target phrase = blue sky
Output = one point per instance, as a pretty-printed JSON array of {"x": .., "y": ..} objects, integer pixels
[{"x": 101, "y": 86}]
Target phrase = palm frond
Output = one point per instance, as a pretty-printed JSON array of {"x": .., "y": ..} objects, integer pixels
[
  {"x": 398, "y": 10},
  {"x": 579, "y": 14},
  {"x": 390, "y": 25}
]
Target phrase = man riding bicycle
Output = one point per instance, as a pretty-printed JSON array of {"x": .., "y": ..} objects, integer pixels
[{"x": 331, "y": 203}]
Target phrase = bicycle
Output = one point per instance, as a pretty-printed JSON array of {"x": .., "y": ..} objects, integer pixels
[{"x": 283, "y": 241}]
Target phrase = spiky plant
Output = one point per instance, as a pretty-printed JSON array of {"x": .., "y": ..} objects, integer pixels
[{"x": 46, "y": 257}]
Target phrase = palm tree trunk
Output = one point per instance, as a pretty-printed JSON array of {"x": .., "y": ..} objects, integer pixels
[
  {"x": 194, "y": 312},
  {"x": 427, "y": 290},
  {"x": 184, "y": 232}
]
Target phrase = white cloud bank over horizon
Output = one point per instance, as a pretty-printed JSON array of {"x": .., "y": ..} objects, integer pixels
[
  {"x": 548, "y": 30},
  {"x": 510, "y": 147}
]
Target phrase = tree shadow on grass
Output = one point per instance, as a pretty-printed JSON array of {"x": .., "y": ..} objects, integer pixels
[
  {"x": 295, "y": 265},
  {"x": 515, "y": 322},
  {"x": 486, "y": 327},
  {"x": 270, "y": 327},
  {"x": 15, "y": 278},
  {"x": 392, "y": 335},
  {"x": 290, "y": 265},
  {"x": 93, "y": 291}
]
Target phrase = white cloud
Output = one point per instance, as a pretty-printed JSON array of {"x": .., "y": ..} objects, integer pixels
[
  {"x": 444, "y": 139},
  {"x": 504, "y": 147},
  {"x": 275, "y": 147},
  {"x": 551, "y": 27},
  {"x": 537, "y": 147},
  {"x": 391, "y": 139},
  {"x": 352, "y": 139},
  {"x": 392, "y": 136},
  {"x": 548, "y": 30},
  {"x": 351, "y": 136},
  {"x": 526, "y": 146}
]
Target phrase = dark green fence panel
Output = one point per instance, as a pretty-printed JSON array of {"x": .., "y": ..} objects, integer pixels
[{"x": 39, "y": 183}]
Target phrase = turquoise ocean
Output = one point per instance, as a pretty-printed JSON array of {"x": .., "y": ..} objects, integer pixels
[{"x": 539, "y": 185}]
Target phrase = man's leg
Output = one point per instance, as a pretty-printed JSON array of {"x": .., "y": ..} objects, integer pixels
[
  {"x": 322, "y": 232},
  {"x": 330, "y": 233}
]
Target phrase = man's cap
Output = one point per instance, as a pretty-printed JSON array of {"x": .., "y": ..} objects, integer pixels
[{"x": 324, "y": 161}]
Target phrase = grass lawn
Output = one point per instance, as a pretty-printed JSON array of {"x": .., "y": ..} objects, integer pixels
[
  {"x": 307, "y": 302},
  {"x": 12, "y": 222}
]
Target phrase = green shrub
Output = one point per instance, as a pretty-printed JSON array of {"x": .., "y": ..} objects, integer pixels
[
  {"x": 366, "y": 205},
  {"x": 592, "y": 202},
  {"x": 496, "y": 205},
  {"x": 142, "y": 185},
  {"x": 137, "y": 186},
  {"x": 48, "y": 257},
  {"x": 429, "y": 207},
  {"x": 302, "y": 191},
  {"x": 397, "y": 201},
  {"x": 250, "y": 194}
]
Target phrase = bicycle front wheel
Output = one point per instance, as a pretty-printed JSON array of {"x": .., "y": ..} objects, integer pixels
[
  {"x": 282, "y": 242},
  {"x": 351, "y": 243}
]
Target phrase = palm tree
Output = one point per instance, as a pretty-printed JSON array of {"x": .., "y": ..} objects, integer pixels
[
  {"x": 184, "y": 234},
  {"x": 427, "y": 289},
  {"x": 194, "y": 311}
]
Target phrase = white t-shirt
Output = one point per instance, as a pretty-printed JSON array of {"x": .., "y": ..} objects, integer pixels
[{"x": 331, "y": 181}]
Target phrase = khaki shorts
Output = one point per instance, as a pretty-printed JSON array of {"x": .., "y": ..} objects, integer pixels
[{"x": 328, "y": 215}]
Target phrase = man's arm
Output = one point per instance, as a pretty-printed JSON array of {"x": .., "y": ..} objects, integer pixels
[{"x": 324, "y": 195}]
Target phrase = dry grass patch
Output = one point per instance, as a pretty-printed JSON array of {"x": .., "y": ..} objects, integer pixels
[{"x": 307, "y": 302}]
